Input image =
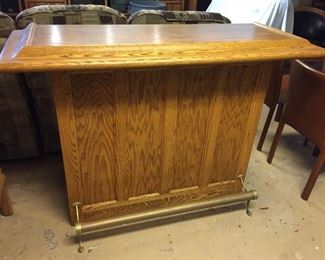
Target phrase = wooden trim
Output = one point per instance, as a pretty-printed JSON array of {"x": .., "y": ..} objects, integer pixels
[
  {"x": 112, "y": 208},
  {"x": 304, "y": 8},
  {"x": 191, "y": 5},
  {"x": 61, "y": 83},
  {"x": 195, "y": 44}
]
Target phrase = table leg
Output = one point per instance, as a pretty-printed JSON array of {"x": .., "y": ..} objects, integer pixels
[{"x": 5, "y": 203}]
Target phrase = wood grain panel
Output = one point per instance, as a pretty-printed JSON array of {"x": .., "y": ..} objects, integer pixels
[
  {"x": 152, "y": 138},
  {"x": 122, "y": 153},
  {"x": 140, "y": 118},
  {"x": 68, "y": 136},
  {"x": 174, "y": 5},
  {"x": 194, "y": 87},
  {"x": 268, "y": 73},
  {"x": 110, "y": 209},
  {"x": 216, "y": 108},
  {"x": 240, "y": 83},
  {"x": 94, "y": 104},
  {"x": 170, "y": 131}
]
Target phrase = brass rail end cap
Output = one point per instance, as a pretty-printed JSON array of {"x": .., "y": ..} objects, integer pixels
[
  {"x": 77, "y": 203},
  {"x": 255, "y": 194}
]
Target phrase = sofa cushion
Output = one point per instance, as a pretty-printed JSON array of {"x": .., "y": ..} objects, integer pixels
[
  {"x": 180, "y": 17},
  {"x": 7, "y": 25},
  {"x": 17, "y": 132},
  {"x": 39, "y": 83},
  {"x": 69, "y": 14},
  {"x": 43, "y": 103},
  {"x": 2, "y": 43}
]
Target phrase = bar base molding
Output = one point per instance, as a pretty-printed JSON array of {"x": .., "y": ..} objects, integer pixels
[{"x": 158, "y": 214}]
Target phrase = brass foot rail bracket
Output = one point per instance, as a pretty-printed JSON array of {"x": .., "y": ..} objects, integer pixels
[
  {"x": 159, "y": 214},
  {"x": 241, "y": 177}
]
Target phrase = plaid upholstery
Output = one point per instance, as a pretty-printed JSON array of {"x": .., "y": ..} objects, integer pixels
[
  {"x": 6, "y": 25},
  {"x": 87, "y": 2},
  {"x": 41, "y": 90},
  {"x": 179, "y": 17},
  {"x": 17, "y": 134},
  {"x": 38, "y": 83},
  {"x": 69, "y": 14},
  {"x": 2, "y": 43}
]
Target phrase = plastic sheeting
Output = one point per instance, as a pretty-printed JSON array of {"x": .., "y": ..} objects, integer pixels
[{"x": 276, "y": 13}]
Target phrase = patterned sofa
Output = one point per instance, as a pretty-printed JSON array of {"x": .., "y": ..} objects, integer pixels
[
  {"x": 178, "y": 17},
  {"x": 7, "y": 25},
  {"x": 17, "y": 133},
  {"x": 38, "y": 83},
  {"x": 69, "y": 14}
]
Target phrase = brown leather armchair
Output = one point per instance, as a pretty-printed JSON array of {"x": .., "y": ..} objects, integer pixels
[
  {"x": 309, "y": 23},
  {"x": 305, "y": 112},
  {"x": 275, "y": 99}
]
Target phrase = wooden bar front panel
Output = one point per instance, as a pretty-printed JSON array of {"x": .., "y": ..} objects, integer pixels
[{"x": 141, "y": 139}]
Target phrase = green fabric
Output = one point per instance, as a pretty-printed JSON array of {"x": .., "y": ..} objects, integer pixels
[
  {"x": 7, "y": 25},
  {"x": 2, "y": 43}
]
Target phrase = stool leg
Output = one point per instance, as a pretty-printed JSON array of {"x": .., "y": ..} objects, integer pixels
[{"x": 5, "y": 203}]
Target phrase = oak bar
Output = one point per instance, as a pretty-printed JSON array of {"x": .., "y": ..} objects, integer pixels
[{"x": 154, "y": 116}]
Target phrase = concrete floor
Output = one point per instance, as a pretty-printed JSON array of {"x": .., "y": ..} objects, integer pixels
[{"x": 283, "y": 226}]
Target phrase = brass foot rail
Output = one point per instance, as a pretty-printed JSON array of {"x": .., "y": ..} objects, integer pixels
[{"x": 158, "y": 214}]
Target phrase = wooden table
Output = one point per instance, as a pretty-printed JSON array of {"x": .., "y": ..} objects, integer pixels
[{"x": 153, "y": 116}]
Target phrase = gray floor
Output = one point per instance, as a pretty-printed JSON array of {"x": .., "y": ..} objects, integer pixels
[{"x": 282, "y": 226}]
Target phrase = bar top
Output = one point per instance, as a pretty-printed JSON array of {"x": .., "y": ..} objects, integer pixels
[{"x": 87, "y": 47}]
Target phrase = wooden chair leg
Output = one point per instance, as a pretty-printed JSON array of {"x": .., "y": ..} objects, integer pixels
[
  {"x": 313, "y": 176},
  {"x": 305, "y": 142},
  {"x": 5, "y": 204},
  {"x": 279, "y": 112},
  {"x": 275, "y": 142},
  {"x": 316, "y": 151},
  {"x": 265, "y": 128}
]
